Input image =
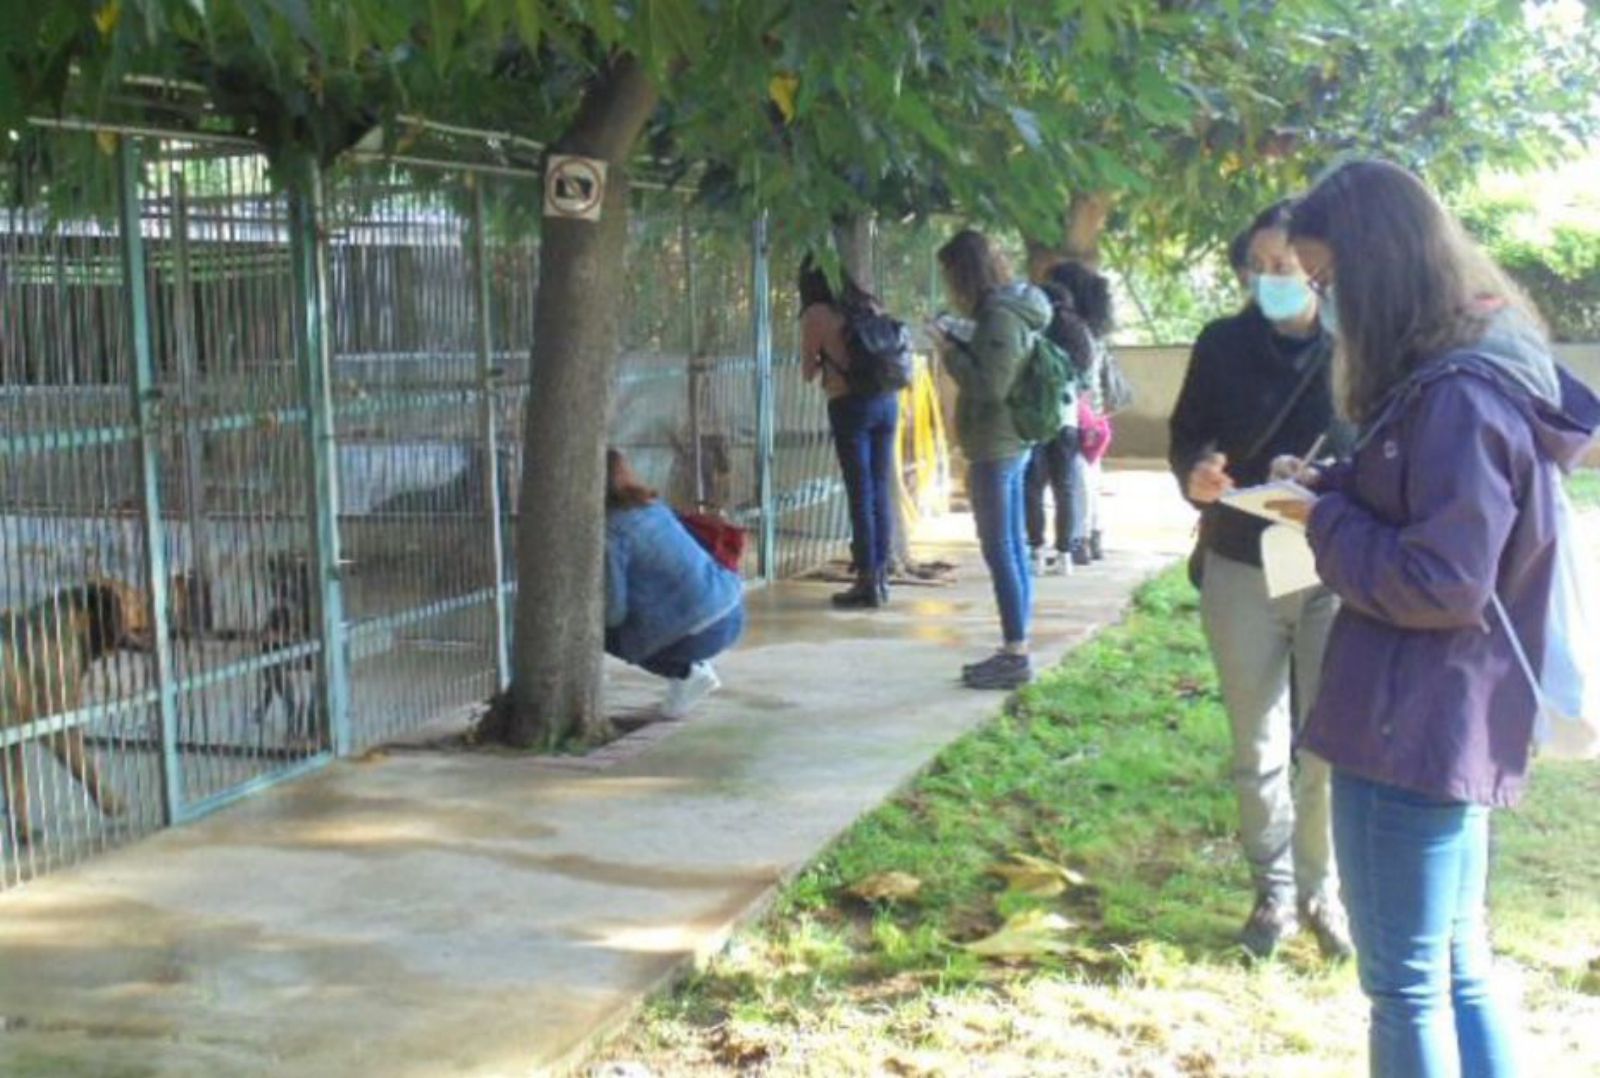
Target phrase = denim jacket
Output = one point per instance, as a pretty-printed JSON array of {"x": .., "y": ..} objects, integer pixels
[
  {"x": 1444, "y": 505},
  {"x": 661, "y": 585}
]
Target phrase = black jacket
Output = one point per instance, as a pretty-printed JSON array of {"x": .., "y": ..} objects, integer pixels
[{"x": 1240, "y": 375}]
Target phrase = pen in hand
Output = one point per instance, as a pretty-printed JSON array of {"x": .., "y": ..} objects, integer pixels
[{"x": 1309, "y": 459}]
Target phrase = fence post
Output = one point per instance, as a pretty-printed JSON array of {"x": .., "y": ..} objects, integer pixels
[
  {"x": 314, "y": 355},
  {"x": 691, "y": 286},
  {"x": 189, "y": 397},
  {"x": 761, "y": 295},
  {"x": 146, "y": 409},
  {"x": 488, "y": 382}
]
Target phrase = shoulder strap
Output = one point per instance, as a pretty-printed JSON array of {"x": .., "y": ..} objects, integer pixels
[{"x": 1314, "y": 365}]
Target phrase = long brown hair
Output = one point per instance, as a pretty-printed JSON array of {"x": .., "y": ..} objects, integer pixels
[
  {"x": 973, "y": 267},
  {"x": 1410, "y": 284},
  {"x": 624, "y": 488}
]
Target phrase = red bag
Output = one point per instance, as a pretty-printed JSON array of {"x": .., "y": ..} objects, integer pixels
[{"x": 722, "y": 540}]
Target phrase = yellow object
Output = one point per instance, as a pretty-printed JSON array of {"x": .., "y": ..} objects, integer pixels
[
  {"x": 107, "y": 17},
  {"x": 924, "y": 481},
  {"x": 783, "y": 87}
]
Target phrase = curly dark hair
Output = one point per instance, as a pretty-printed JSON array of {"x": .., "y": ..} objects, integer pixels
[{"x": 1090, "y": 292}]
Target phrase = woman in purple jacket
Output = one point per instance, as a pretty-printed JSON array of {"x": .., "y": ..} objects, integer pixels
[{"x": 1423, "y": 712}]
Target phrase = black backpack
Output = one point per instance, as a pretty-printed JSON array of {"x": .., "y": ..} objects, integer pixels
[{"x": 880, "y": 352}]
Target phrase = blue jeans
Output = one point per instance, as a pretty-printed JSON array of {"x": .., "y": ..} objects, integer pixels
[
  {"x": 675, "y": 660},
  {"x": 995, "y": 489},
  {"x": 863, "y": 434},
  {"x": 1414, "y": 871}
]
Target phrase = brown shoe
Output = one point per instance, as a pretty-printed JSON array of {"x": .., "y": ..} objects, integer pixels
[
  {"x": 1327, "y": 921},
  {"x": 1271, "y": 922}
]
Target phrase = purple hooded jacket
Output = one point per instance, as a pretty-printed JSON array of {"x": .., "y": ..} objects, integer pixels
[{"x": 1443, "y": 504}]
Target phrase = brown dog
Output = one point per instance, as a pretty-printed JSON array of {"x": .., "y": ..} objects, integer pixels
[{"x": 45, "y": 655}]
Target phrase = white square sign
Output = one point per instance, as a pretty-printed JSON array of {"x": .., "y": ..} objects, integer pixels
[{"x": 574, "y": 187}]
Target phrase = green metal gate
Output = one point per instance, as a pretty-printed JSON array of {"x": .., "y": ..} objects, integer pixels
[{"x": 272, "y": 422}]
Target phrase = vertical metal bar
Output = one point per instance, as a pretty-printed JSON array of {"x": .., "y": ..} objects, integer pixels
[
  {"x": 189, "y": 389},
  {"x": 146, "y": 399},
  {"x": 696, "y": 360},
  {"x": 316, "y": 363},
  {"x": 488, "y": 386},
  {"x": 761, "y": 295}
]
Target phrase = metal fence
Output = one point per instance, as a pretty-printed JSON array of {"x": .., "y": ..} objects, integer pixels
[{"x": 260, "y": 445}]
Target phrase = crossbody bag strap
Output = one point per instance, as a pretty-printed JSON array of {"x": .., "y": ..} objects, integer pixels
[{"x": 1313, "y": 368}]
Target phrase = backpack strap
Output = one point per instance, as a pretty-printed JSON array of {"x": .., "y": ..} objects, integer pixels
[{"x": 1517, "y": 649}]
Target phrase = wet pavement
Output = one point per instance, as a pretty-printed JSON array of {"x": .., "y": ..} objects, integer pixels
[{"x": 428, "y": 913}]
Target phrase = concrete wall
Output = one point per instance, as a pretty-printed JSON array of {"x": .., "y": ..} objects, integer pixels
[{"x": 1157, "y": 376}]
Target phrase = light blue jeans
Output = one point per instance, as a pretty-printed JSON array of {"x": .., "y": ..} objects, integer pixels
[
  {"x": 996, "y": 490},
  {"x": 1414, "y": 872}
]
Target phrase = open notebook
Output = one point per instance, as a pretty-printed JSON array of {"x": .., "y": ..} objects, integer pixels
[
  {"x": 1286, "y": 557},
  {"x": 1254, "y": 500}
]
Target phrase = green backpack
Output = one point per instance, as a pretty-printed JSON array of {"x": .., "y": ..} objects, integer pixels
[{"x": 1041, "y": 385}]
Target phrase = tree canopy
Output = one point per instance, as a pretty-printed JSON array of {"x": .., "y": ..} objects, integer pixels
[
  {"x": 1179, "y": 115},
  {"x": 1165, "y": 121}
]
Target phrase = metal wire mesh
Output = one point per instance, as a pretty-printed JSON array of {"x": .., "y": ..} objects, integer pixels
[
  {"x": 232, "y": 464},
  {"x": 415, "y": 469},
  {"x": 73, "y": 689},
  {"x": 260, "y": 494}
]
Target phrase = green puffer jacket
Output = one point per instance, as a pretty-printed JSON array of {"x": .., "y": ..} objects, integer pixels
[{"x": 984, "y": 368}]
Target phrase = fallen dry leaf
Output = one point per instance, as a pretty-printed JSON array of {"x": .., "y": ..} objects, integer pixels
[
  {"x": 1027, "y": 935},
  {"x": 887, "y": 887},
  {"x": 741, "y": 1045},
  {"x": 1036, "y": 877}
]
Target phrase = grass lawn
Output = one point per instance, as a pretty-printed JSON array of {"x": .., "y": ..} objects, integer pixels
[
  {"x": 1111, "y": 773},
  {"x": 1585, "y": 489}
]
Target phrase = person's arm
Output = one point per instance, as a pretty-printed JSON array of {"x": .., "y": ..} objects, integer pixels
[
  {"x": 987, "y": 365},
  {"x": 1189, "y": 428},
  {"x": 1439, "y": 569},
  {"x": 616, "y": 584},
  {"x": 1192, "y": 427},
  {"x": 811, "y": 334}
]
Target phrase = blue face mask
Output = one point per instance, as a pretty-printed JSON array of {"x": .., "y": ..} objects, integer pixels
[
  {"x": 1328, "y": 311},
  {"x": 1281, "y": 297}
]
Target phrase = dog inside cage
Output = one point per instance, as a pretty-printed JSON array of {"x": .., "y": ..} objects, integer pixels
[
  {"x": 46, "y": 654},
  {"x": 289, "y": 622}
]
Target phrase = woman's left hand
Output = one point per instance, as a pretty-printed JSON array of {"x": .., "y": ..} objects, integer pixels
[{"x": 1294, "y": 509}]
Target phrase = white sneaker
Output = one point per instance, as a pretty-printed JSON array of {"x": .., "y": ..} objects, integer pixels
[
  {"x": 683, "y": 695},
  {"x": 1061, "y": 564},
  {"x": 1036, "y": 560}
]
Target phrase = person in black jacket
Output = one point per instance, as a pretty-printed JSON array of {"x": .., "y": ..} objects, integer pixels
[{"x": 1258, "y": 387}]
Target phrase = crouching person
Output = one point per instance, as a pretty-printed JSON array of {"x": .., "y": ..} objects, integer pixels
[{"x": 670, "y": 607}]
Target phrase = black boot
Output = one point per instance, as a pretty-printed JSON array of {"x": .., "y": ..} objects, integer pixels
[
  {"x": 863, "y": 595},
  {"x": 1079, "y": 552},
  {"x": 1097, "y": 549}
]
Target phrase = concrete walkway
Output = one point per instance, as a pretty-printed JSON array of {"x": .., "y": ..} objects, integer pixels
[{"x": 428, "y": 914}]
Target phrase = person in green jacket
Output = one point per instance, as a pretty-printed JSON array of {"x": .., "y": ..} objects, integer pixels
[{"x": 1007, "y": 315}]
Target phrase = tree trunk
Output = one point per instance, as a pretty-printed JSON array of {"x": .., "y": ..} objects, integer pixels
[
  {"x": 853, "y": 237},
  {"x": 558, "y": 638},
  {"x": 1086, "y": 220}
]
